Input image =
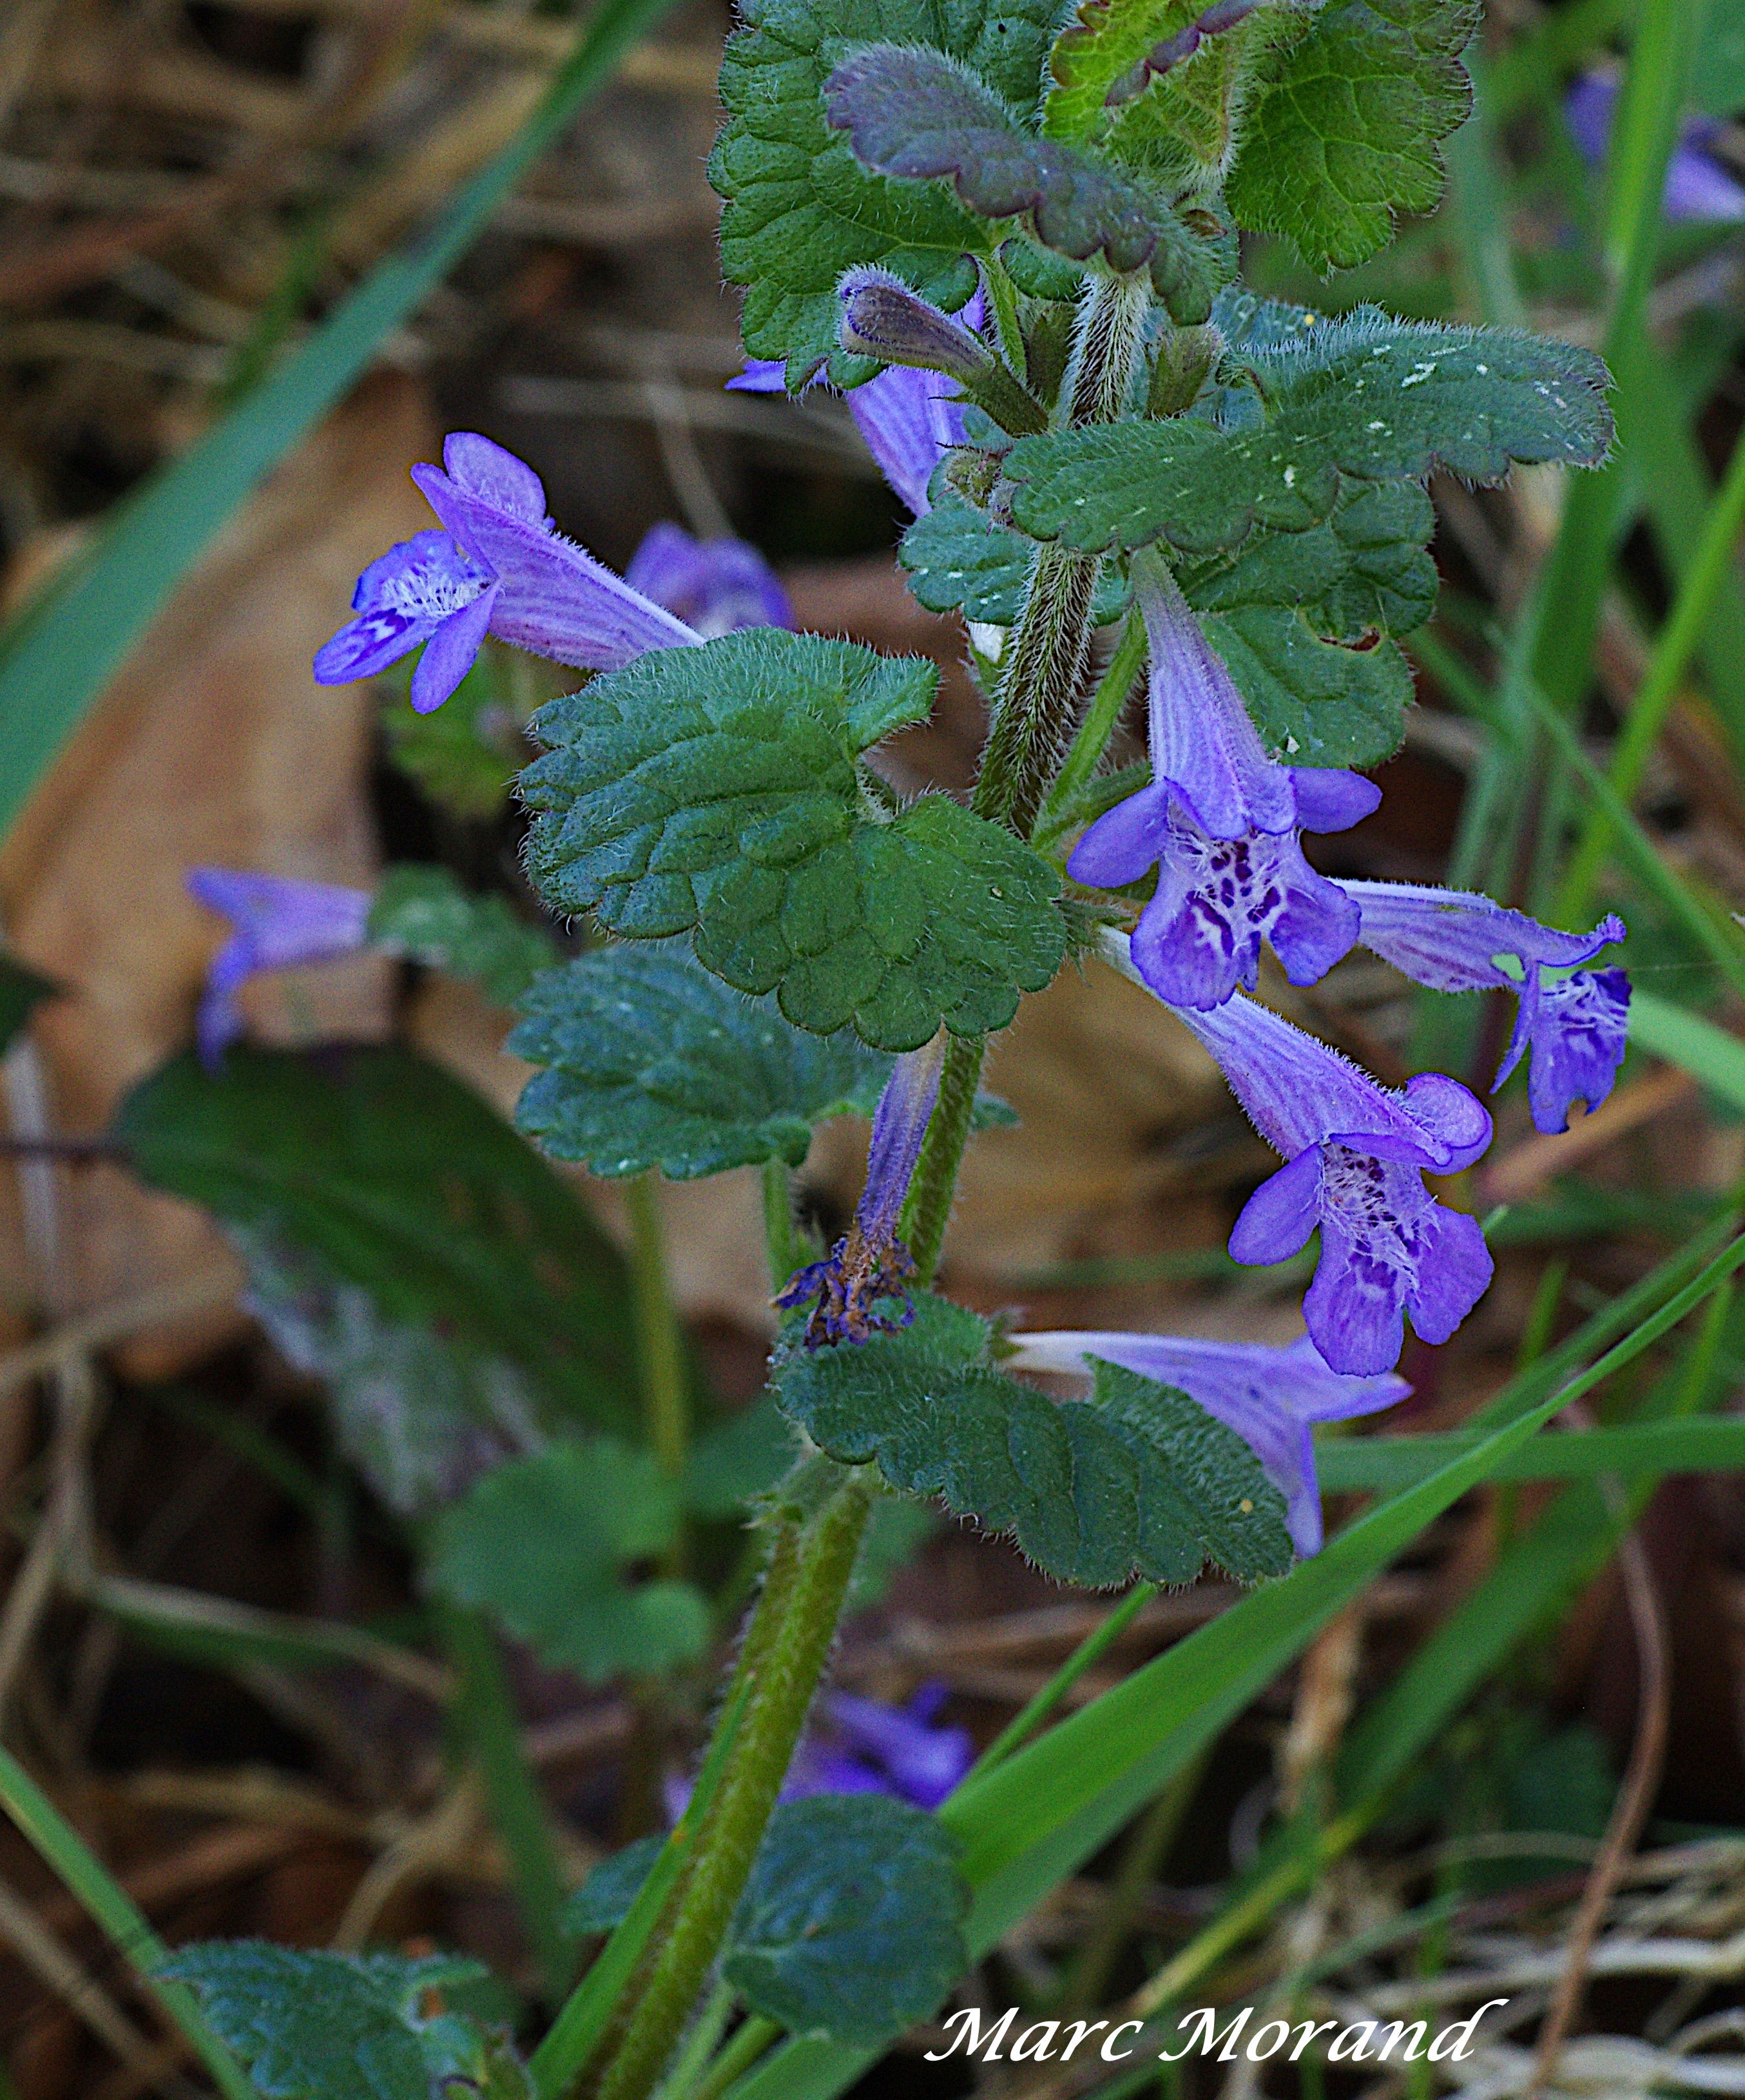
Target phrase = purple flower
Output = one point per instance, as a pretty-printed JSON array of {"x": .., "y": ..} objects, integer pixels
[
  {"x": 500, "y": 568},
  {"x": 1449, "y": 939},
  {"x": 715, "y": 586},
  {"x": 1221, "y": 823},
  {"x": 1356, "y": 1153},
  {"x": 1270, "y": 1396},
  {"x": 869, "y": 1262},
  {"x": 863, "y": 1746},
  {"x": 1698, "y": 187},
  {"x": 277, "y": 924},
  {"x": 910, "y": 418}
]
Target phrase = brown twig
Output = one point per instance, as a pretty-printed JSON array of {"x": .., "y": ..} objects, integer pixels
[{"x": 1635, "y": 1797}]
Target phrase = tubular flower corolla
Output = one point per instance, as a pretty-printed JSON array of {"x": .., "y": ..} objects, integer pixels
[
  {"x": 1222, "y": 825},
  {"x": 1270, "y": 1395},
  {"x": 1449, "y": 940},
  {"x": 276, "y": 924},
  {"x": 868, "y": 1270},
  {"x": 1355, "y": 1154},
  {"x": 499, "y": 566}
]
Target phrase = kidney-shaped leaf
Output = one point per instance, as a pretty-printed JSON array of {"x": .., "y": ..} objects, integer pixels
[
  {"x": 714, "y": 790},
  {"x": 852, "y": 1922}
]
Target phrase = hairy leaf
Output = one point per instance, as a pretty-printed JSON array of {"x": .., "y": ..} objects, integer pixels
[
  {"x": 651, "y": 1061},
  {"x": 914, "y": 113},
  {"x": 1279, "y": 610},
  {"x": 428, "y": 913},
  {"x": 958, "y": 560},
  {"x": 543, "y": 1544},
  {"x": 1138, "y": 1479},
  {"x": 1345, "y": 133},
  {"x": 801, "y": 209},
  {"x": 851, "y": 1924},
  {"x": 714, "y": 791},
  {"x": 407, "y": 1186},
  {"x": 1363, "y": 398},
  {"x": 418, "y": 1412},
  {"x": 311, "y": 2025},
  {"x": 21, "y": 989},
  {"x": 603, "y": 1902}
]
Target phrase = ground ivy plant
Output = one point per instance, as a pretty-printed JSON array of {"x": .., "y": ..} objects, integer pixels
[{"x": 1012, "y": 240}]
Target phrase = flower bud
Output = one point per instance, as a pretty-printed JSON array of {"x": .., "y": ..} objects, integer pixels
[{"x": 882, "y": 318}]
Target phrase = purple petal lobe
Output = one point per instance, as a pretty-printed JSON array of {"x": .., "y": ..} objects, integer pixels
[
  {"x": 1125, "y": 841},
  {"x": 1579, "y": 1040},
  {"x": 1455, "y": 1117},
  {"x": 1277, "y": 1219},
  {"x": 1449, "y": 939},
  {"x": 1329, "y": 799},
  {"x": 451, "y": 651},
  {"x": 1455, "y": 1277},
  {"x": 497, "y": 476},
  {"x": 366, "y": 646},
  {"x": 762, "y": 375}
]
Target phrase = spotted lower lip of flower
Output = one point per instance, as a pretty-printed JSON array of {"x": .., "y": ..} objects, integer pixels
[
  {"x": 862, "y": 1289},
  {"x": 1270, "y": 1395},
  {"x": 1449, "y": 940},
  {"x": 499, "y": 567},
  {"x": 1354, "y": 1154},
  {"x": 909, "y": 419},
  {"x": 277, "y": 924},
  {"x": 1221, "y": 823},
  {"x": 715, "y": 586}
]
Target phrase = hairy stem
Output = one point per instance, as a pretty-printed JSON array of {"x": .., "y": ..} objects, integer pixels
[
  {"x": 784, "y": 1653},
  {"x": 1042, "y": 674}
]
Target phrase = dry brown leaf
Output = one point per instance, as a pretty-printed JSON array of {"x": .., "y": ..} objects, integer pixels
[{"x": 215, "y": 745}]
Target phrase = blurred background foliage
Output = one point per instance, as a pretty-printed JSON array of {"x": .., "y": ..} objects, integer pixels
[{"x": 270, "y": 1418}]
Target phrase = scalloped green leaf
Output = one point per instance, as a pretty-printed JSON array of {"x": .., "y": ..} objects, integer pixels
[
  {"x": 308, "y": 2024},
  {"x": 1139, "y": 1479},
  {"x": 546, "y": 1545},
  {"x": 430, "y": 915},
  {"x": 652, "y": 1062},
  {"x": 714, "y": 791},
  {"x": 851, "y": 1924},
  {"x": 956, "y": 560},
  {"x": 914, "y": 113},
  {"x": 1364, "y": 398},
  {"x": 1346, "y": 132},
  {"x": 407, "y": 1184},
  {"x": 801, "y": 209},
  {"x": 1302, "y": 621}
]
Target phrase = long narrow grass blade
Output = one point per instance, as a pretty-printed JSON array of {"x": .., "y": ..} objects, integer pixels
[
  {"x": 58, "y": 655},
  {"x": 61, "y": 1845}
]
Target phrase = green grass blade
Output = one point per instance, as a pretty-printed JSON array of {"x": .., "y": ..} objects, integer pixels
[
  {"x": 1039, "y": 1815},
  {"x": 61, "y": 1845},
  {"x": 1385, "y": 1464},
  {"x": 58, "y": 655},
  {"x": 1697, "y": 1046}
]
